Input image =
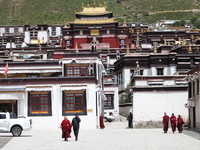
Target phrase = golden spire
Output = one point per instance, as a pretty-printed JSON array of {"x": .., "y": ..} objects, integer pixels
[
  {"x": 76, "y": 47},
  {"x": 105, "y": 4},
  {"x": 94, "y": 5},
  {"x": 165, "y": 41},
  {"x": 184, "y": 41},
  {"x": 190, "y": 49},
  {"x": 124, "y": 22},
  {"x": 155, "y": 47},
  {"x": 65, "y": 25}
]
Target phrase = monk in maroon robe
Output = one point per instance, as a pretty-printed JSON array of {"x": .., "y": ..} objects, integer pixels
[
  {"x": 66, "y": 128},
  {"x": 101, "y": 121},
  {"x": 180, "y": 123},
  {"x": 165, "y": 122},
  {"x": 173, "y": 122}
]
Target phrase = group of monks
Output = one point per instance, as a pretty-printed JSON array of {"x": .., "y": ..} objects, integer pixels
[
  {"x": 66, "y": 127},
  {"x": 175, "y": 122}
]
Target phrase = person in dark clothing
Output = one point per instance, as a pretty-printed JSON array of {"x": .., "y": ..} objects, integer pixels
[
  {"x": 130, "y": 120},
  {"x": 75, "y": 124},
  {"x": 165, "y": 122}
]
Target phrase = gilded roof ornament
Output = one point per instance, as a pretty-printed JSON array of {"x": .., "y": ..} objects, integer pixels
[
  {"x": 105, "y": 5},
  {"x": 124, "y": 22},
  {"x": 94, "y": 5}
]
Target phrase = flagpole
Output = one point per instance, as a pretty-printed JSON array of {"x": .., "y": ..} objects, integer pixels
[{"x": 6, "y": 70}]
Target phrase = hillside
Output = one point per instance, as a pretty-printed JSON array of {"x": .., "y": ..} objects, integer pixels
[{"x": 20, "y": 12}]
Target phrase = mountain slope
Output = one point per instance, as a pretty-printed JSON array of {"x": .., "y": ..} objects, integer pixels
[{"x": 20, "y": 12}]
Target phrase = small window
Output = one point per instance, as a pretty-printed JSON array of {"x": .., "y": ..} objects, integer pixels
[
  {"x": 53, "y": 28},
  {"x": 159, "y": 71},
  {"x": 7, "y": 30},
  {"x": 68, "y": 42},
  {"x": 50, "y": 54},
  {"x": 108, "y": 103},
  {"x": 72, "y": 71},
  {"x": 141, "y": 72},
  {"x": 2, "y": 116},
  {"x": 122, "y": 41},
  {"x": 53, "y": 33},
  {"x": 16, "y": 30}
]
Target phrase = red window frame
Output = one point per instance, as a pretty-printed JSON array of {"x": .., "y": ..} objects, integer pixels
[
  {"x": 74, "y": 101},
  {"x": 40, "y": 102},
  {"x": 72, "y": 71}
]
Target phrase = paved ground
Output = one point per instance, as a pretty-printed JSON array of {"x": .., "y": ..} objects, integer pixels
[{"x": 114, "y": 137}]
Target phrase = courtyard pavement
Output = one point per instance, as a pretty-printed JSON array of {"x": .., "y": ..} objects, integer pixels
[{"x": 115, "y": 136}]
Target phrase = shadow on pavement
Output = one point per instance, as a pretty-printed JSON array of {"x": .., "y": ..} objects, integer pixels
[
  {"x": 4, "y": 141},
  {"x": 192, "y": 133}
]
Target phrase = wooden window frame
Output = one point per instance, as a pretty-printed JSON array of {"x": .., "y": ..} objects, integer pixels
[
  {"x": 109, "y": 102},
  {"x": 70, "y": 106},
  {"x": 160, "y": 71},
  {"x": 41, "y": 95},
  {"x": 76, "y": 70}
]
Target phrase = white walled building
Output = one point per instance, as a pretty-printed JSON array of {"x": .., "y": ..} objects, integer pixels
[
  {"x": 48, "y": 90},
  {"x": 111, "y": 104},
  {"x": 193, "y": 97},
  {"x": 156, "y": 87},
  {"x": 152, "y": 96}
]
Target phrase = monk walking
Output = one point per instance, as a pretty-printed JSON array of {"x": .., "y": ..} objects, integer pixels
[
  {"x": 66, "y": 128},
  {"x": 101, "y": 121},
  {"x": 165, "y": 122},
  {"x": 180, "y": 123},
  {"x": 173, "y": 122}
]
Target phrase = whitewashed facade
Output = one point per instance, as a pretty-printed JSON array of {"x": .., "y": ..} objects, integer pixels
[
  {"x": 194, "y": 97},
  {"x": 17, "y": 91}
]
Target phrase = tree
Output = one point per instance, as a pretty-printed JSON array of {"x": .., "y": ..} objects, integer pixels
[{"x": 126, "y": 95}]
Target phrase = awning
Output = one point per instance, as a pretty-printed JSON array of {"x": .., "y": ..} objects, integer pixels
[
  {"x": 122, "y": 36},
  {"x": 155, "y": 40},
  {"x": 169, "y": 39},
  {"x": 12, "y": 89}
]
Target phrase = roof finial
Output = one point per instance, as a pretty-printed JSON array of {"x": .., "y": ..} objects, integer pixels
[
  {"x": 105, "y": 4},
  {"x": 94, "y": 5},
  {"x": 124, "y": 22},
  {"x": 82, "y": 5}
]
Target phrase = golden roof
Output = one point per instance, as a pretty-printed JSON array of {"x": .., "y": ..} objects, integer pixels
[
  {"x": 93, "y": 21},
  {"x": 93, "y": 11}
]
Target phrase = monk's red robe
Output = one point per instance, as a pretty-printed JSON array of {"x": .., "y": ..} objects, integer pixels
[
  {"x": 165, "y": 123},
  {"x": 101, "y": 121},
  {"x": 173, "y": 123},
  {"x": 66, "y": 129},
  {"x": 180, "y": 123}
]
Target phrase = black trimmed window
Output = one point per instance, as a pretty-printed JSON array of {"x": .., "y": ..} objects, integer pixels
[
  {"x": 109, "y": 102},
  {"x": 160, "y": 71},
  {"x": 68, "y": 42},
  {"x": 74, "y": 102},
  {"x": 16, "y": 30},
  {"x": 39, "y": 103}
]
